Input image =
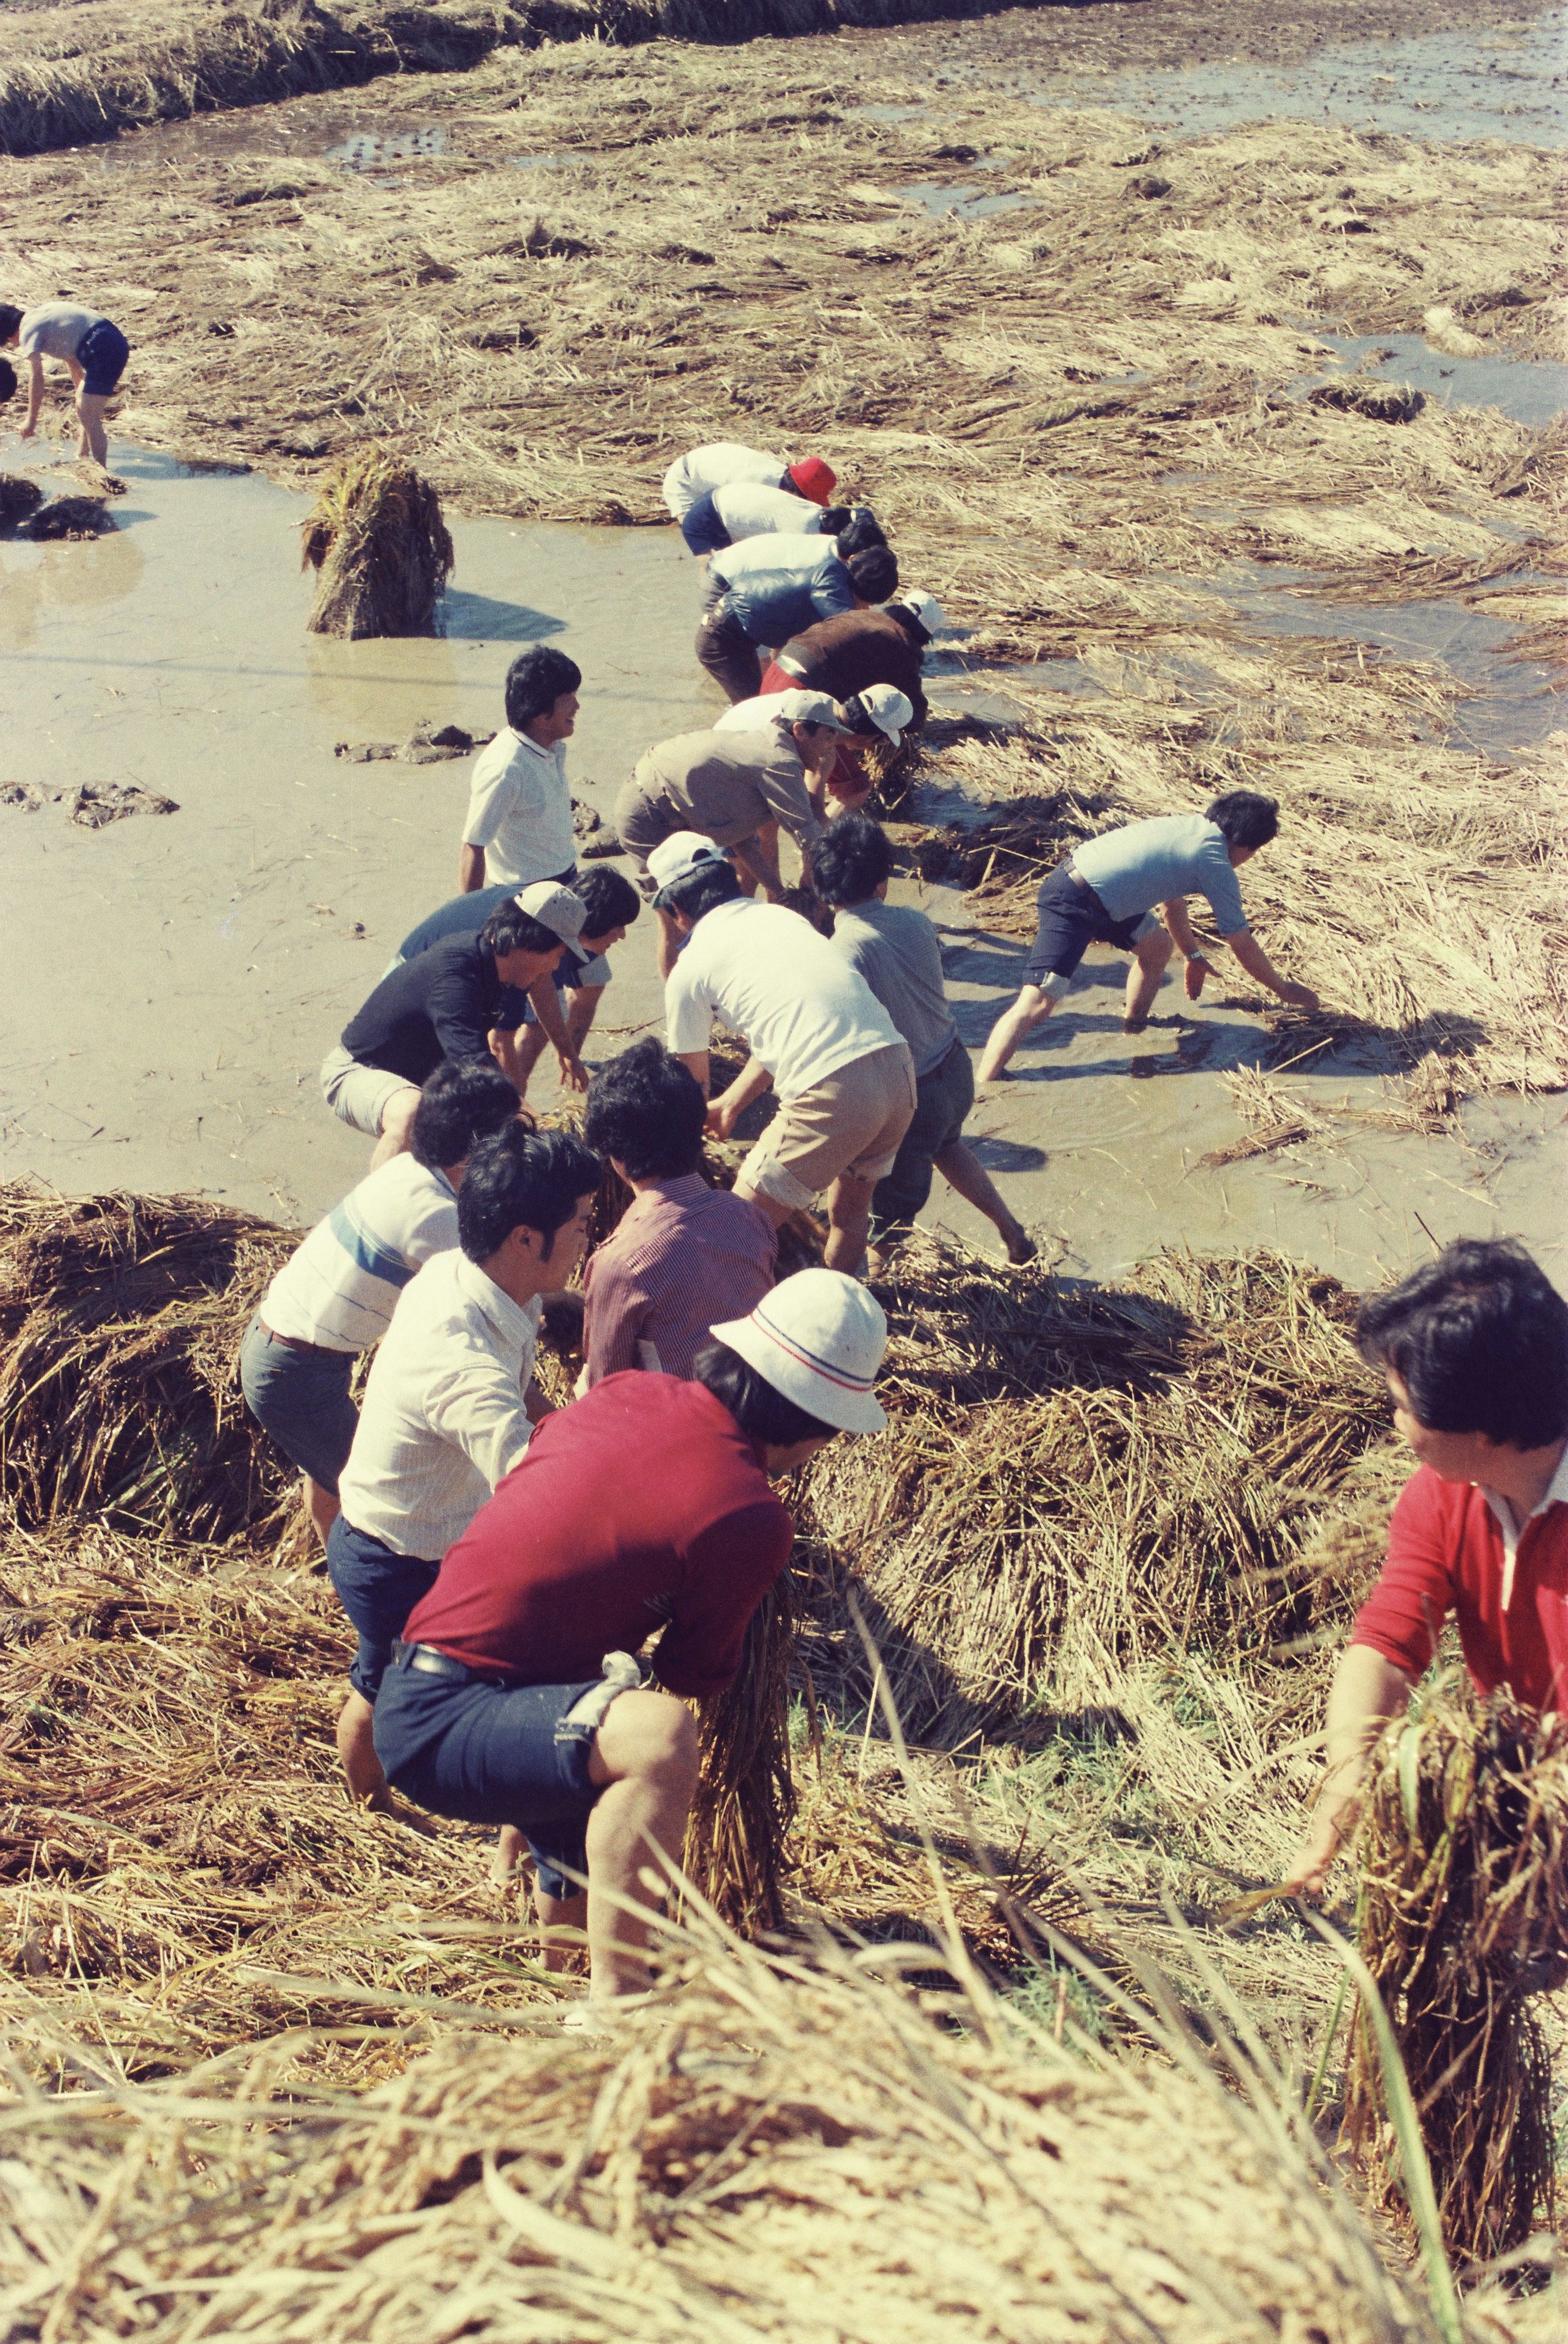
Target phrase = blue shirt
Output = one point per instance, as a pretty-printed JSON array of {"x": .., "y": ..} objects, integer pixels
[
  {"x": 778, "y": 586},
  {"x": 465, "y": 915},
  {"x": 1148, "y": 862}
]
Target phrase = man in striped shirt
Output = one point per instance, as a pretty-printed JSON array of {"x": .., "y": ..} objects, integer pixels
[
  {"x": 334, "y": 1296},
  {"x": 685, "y": 1255},
  {"x": 448, "y": 1407}
]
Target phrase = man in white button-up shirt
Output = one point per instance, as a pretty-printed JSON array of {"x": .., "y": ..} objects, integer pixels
[
  {"x": 519, "y": 825},
  {"x": 447, "y": 1409}
]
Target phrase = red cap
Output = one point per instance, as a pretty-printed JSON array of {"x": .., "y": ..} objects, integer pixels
[{"x": 813, "y": 480}]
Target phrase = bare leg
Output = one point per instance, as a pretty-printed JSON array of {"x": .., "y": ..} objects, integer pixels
[
  {"x": 1144, "y": 979},
  {"x": 508, "y": 1854},
  {"x": 645, "y": 1753},
  {"x": 357, "y": 1752},
  {"x": 757, "y": 861},
  {"x": 396, "y": 1125},
  {"x": 322, "y": 1507},
  {"x": 1009, "y": 1030},
  {"x": 90, "y": 410},
  {"x": 963, "y": 1170},
  {"x": 848, "y": 1219},
  {"x": 777, "y": 1214},
  {"x": 554, "y": 1914}
]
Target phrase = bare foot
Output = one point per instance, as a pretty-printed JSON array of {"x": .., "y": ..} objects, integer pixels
[{"x": 1021, "y": 1247}]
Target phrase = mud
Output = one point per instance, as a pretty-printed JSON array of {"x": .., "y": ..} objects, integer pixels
[{"x": 182, "y": 979}]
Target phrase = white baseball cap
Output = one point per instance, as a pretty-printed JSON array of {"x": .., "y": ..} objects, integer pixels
[
  {"x": 676, "y": 858},
  {"x": 818, "y": 1338},
  {"x": 781, "y": 708},
  {"x": 554, "y": 907},
  {"x": 888, "y": 708},
  {"x": 927, "y": 608}
]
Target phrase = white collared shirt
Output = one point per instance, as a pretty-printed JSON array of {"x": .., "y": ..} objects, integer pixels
[
  {"x": 443, "y": 1420},
  {"x": 520, "y": 809},
  {"x": 1513, "y": 1529}
]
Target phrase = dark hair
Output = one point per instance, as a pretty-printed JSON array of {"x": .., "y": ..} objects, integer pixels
[
  {"x": 10, "y": 320},
  {"x": 609, "y": 900},
  {"x": 518, "y": 1178},
  {"x": 713, "y": 883},
  {"x": 763, "y": 1415},
  {"x": 510, "y": 929},
  {"x": 535, "y": 682},
  {"x": 647, "y": 1112},
  {"x": 7, "y": 380},
  {"x": 834, "y": 519},
  {"x": 463, "y": 1101},
  {"x": 859, "y": 531},
  {"x": 1246, "y": 816},
  {"x": 1479, "y": 1338},
  {"x": 851, "y": 860},
  {"x": 873, "y": 573}
]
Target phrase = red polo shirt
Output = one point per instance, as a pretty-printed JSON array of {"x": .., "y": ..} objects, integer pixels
[
  {"x": 642, "y": 1504},
  {"x": 1447, "y": 1554}
]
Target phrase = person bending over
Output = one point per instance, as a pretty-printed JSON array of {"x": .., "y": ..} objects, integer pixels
[
  {"x": 519, "y": 826},
  {"x": 644, "y": 1509},
  {"x": 463, "y": 999},
  {"x": 450, "y": 1403},
  {"x": 683, "y": 1254},
  {"x": 875, "y": 715},
  {"x": 846, "y": 655},
  {"x": 768, "y": 589},
  {"x": 91, "y": 349},
  {"x": 896, "y": 949},
  {"x": 1475, "y": 1347},
  {"x": 815, "y": 1030},
  {"x": 1106, "y": 891},
  {"x": 691, "y": 480},
  {"x": 736, "y": 788},
  {"x": 333, "y": 1298},
  {"x": 609, "y": 905},
  {"x": 731, "y": 513}
]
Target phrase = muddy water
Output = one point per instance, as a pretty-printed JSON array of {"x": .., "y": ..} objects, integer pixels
[{"x": 174, "y": 983}]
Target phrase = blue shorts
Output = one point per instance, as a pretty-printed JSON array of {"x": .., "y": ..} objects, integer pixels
[
  {"x": 301, "y": 1397},
  {"x": 101, "y": 354},
  {"x": 1068, "y": 919},
  {"x": 377, "y": 1590},
  {"x": 488, "y": 1754},
  {"x": 702, "y": 530}
]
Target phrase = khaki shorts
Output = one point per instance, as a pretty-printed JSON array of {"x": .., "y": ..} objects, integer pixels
[
  {"x": 358, "y": 1095},
  {"x": 851, "y": 1122}
]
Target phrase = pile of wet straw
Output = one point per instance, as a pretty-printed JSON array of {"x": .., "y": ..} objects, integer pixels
[
  {"x": 1462, "y": 1920},
  {"x": 763, "y": 2148},
  {"x": 383, "y": 552}
]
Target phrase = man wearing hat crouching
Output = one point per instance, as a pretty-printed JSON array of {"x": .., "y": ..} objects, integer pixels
[
  {"x": 817, "y": 1033},
  {"x": 513, "y": 1698}
]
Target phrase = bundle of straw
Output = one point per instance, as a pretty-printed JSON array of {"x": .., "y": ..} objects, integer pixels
[
  {"x": 120, "y": 1320},
  {"x": 1464, "y": 1916},
  {"x": 759, "y": 2150},
  {"x": 745, "y": 1798},
  {"x": 18, "y": 498},
  {"x": 377, "y": 536}
]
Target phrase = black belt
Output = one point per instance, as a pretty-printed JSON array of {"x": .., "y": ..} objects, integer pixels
[
  {"x": 433, "y": 1664},
  {"x": 296, "y": 1343},
  {"x": 1082, "y": 883}
]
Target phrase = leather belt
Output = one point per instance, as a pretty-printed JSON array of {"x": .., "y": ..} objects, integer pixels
[
  {"x": 430, "y": 1662},
  {"x": 297, "y": 1343}
]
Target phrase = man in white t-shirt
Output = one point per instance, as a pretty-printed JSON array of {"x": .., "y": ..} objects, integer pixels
[
  {"x": 334, "y": 1296},
  {"x": 693, "y": 479},
  {"x": 519, "y": 826},
  {"x": 817, "y": 1033}
]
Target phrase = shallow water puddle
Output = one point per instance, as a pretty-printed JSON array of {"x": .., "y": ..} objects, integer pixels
[
  {"x": 1533, "y": 391},
  {"x": 367, "y": 150},
  {"x": 957, "y": 202}
]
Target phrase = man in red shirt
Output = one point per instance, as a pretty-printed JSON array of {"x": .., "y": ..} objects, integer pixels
[
  {"x": 684, "y": 1255},
  {"x": 1475, "y": 1349},
  {"x": 643, "y": 1510}
]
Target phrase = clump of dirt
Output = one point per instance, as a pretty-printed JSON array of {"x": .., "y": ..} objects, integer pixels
[
  {"x": 71, "y": 518},
  {"x": 1379, "y": 402},
  {"x": 19, "y": 498},
  {"x": 92, "y": 805}
]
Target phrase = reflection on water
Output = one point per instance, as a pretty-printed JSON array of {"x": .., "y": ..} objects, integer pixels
[
  {"x": 38, "y": 579},
  {"x": 1532, "y": 390},
  {"x": 367, "y": 150}
]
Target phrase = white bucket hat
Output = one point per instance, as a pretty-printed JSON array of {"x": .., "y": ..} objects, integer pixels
[
  {"x": 554, "y": 907},
  {"x": 781, "y": 708},
  {"x": 676, "y": 858},
  {"x": 927, "y": 608},
  {"x": 818, "y": 1337},
  {"x": 889, "y": 709}
]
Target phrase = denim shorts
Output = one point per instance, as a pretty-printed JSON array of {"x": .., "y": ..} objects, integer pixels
[
  {"x": 487, "y": 1753},
  {"x": 702, "y": 530},
  {"x": 377, "y": 1590},
  {"x": 301, "y": 1399},
  {"x": 943, "y": 1099},
  {"x": 101, "y": 354},
  {"x": 1068, "y": 919}
]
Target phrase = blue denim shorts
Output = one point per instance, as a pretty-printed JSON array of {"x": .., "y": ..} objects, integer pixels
[
  {"x": 702, "y": 530},
  {"x": 488, "y": 1754},
  {"x": 101, "y": 354},
  {"x": 301, "y": 1397},
  {"x": 377, "y": 1590}
]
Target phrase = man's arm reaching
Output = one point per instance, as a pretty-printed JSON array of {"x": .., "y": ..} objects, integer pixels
[{"x": 1368, "y": 1691}]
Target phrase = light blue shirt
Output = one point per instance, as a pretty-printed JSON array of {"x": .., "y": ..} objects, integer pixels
[
  {"x": 1148, "y": 862},
  {"x": 778, "y": 586}
]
